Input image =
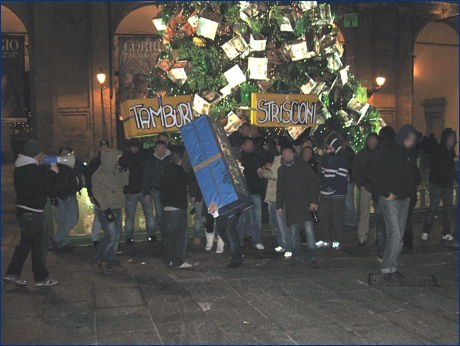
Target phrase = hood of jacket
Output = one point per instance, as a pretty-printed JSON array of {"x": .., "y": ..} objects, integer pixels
[
  {"x": 23, "y": 160},
  {"x": 108, "y": 159},
  {"x": 404, "y": 132},
  {"x": 446, "y": 133},
  {"x": 167, "y": 153}
]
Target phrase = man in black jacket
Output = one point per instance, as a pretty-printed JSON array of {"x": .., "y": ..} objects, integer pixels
[
  {"x": 365, "y": 187},
  {"x": 155, "y": 166},
  {"x": 173, "y": 189},
  {"x": 297, "y": 192},
  {"x": 64, "y": 200},
  {"x": 32, "y": 185},
  {"x": 134, "y": 159},
  {"x": 393, "y": 178},
  {"x": 253, "y": 172},
  {"x": 93, "y": 165},
  {"x": 442, "y": 175}
]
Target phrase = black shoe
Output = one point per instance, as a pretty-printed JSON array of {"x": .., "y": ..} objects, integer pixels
[
  {"x": 304, "y": 240},
  {"x": 234, "y": 264},
  {"x": 95, "y": 243},
  {"x": 362, "y": 243},
  {"x": 247, "y": 238},
  {"x": 129, "y": 241},
  {"x": 54, "y": 243},
  {"x": 313, "y": 265},
  {"x": 152, "y": 239},
  {"x": 67, "y": 248},
  {"x": 295, "y": 263}
]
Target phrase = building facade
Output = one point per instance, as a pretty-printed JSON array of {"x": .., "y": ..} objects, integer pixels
[{"x": 70, "y": 42}]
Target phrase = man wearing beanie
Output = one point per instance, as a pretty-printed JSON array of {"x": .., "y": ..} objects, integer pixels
[
  {"x": 32, "y": 185},
  {"x": 333, "y": 186}
]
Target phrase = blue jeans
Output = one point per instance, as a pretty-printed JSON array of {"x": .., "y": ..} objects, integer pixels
[
  {"x": 107, "y": 248},
  {"x": 436, "y": 194},
  {"x": 279, "y": 228},
  {"x": 198, "y": 223},
  {"x": 350, "y": 218},
  {"x": 226, "y": 228},
  {"x": 159, "y": 212},
  {"x": 252, "y": 220},
  {"x": 380, "y": 229},
  {"x": 395, "y": 215},
  {"x": 96, "y": 229},
  {"x": 130, "y": 210},
  {"x": 67, "y": 215},
  {"x": 309, "y": 228}
]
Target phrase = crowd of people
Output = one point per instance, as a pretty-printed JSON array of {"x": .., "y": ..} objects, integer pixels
[{"x": 310, "y": 198}]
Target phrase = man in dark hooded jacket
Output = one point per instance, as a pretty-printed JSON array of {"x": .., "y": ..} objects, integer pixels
[
  {"x": 134, "y": 160},
  {"x": 442, "y": 175},
  {"x": 394, "y": 180}
]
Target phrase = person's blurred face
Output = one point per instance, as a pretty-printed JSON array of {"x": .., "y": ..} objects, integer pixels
[
  {"x": 244, "y": 130},
  {"x": 248, "y": 147},
  {"x": 287, "y": 155},
  {"x": 103, "y": 148},
  {"x": 307, "y": 155},
  {"x": 372, "y": 143},
  {"x": 450, "y": 141},
  {"x": 410, "y": 141},
  {"x": 39, "y": 157},
  {"x": 134, "y": 149},
  {"x": 253, "y": 131},
  {"x": 330, "y": 149},
  {"x": 164, "y": 139},
  {"x": 65, "y": 152},
  {"x": 160, "y": 150}
]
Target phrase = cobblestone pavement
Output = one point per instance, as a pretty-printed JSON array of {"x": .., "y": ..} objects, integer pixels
[{"x": 264, "y": 302}]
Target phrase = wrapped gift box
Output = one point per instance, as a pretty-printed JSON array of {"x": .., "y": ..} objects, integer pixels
[{"x": 217, "y": 172}]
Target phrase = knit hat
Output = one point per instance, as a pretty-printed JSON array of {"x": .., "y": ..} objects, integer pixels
[
  {"x": 104, "y": 142},
  {"x": 32, "y": 148},
  {"x": 334, "y": 141},
  {"x": 134, "y": 142}
]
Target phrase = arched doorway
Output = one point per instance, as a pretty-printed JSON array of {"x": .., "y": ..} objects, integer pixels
[
  {"x": 137, "y": 23},
  {"x": 435, "y": 101},
  {"x": 16, "y": 115}
]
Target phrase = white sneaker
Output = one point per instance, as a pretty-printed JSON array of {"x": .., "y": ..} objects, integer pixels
[
  {"x": 279, "y": 249},
  {"x": 260, "y": 246},
  {"x": 448, "y": 237},
  {"x": 336, "y": 245},
  {"x": 425, "y": 236},
  {"x": 185, "y": 265},
  {"x": 220, "y": 246},
  {"x": 287, "y": 255},
  {"x": 321, "y": 244}
]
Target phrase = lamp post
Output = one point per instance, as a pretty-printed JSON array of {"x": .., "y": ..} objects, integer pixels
[
  {"x": 380, "y": 81},
  {"x": 101, "y": 78}
]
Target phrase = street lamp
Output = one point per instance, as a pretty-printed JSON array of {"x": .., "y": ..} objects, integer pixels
[
  {"x": 380, "y": 81},
  {"x": 101, "y": 77}
]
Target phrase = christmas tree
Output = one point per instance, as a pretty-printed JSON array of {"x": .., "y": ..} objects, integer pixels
[{"x": 224, "y": 51}]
